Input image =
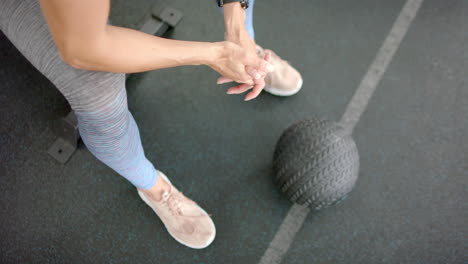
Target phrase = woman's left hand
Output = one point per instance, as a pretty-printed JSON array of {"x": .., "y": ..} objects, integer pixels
[{"x": 258, "y": 77}]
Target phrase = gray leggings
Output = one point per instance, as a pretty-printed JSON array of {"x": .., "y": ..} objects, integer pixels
[{"x": 99, "y": 99}]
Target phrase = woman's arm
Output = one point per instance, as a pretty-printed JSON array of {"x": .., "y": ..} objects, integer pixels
[{"x": 85, "y": 41}]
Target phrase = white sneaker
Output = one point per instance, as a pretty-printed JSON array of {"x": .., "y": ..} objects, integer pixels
[
  {"x": 184, "y": 219},
  {"x": 285, "y": 80}
]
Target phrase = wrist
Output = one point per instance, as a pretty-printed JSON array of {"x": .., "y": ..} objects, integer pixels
[
  {"x": 237, "y": 36},
  {"x": 215, "y": 52}
]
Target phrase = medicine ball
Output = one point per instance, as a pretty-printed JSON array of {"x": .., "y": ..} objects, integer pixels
[{"x": 316, "y": 163}]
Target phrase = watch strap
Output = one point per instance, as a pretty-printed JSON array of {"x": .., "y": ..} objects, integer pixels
[{"x": 244, "y": 3}]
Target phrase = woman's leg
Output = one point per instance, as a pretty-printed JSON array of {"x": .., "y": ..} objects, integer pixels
[{"x": 99, "y": 99}]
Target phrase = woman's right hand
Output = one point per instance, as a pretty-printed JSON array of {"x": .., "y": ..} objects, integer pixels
[{"x": 234, "y": 61}]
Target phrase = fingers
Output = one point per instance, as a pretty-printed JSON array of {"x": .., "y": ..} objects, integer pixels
[
  {"x": 257, "y": 89},
  {"x": 239, "y": 88},
  {"x": 262, "y": 65},
  {"x": 261, "y": 72},
  {"x": 251, "y": 73},
  {"x": 268, "y": 58},
  {"x": 244, "y": 76},
  {"x": 255, "y": 73},
  {"x": 254, "y": 77},
  {"x": 223, "y": 79},
  {"x": 247, "y": 80},
  {"x": 260, "y": 82}
]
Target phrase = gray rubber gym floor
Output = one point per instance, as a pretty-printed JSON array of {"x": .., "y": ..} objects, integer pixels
[{"x": 410, "y": 202}]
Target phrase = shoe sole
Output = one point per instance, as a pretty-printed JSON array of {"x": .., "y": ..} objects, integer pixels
[
  {"x": 143, "y": 197},
  {"x": 280, "y": 92}
]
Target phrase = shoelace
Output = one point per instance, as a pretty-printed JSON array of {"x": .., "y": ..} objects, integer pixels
[{"x": 174, "y": 202}]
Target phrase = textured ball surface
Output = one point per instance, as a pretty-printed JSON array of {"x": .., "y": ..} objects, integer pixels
[{"x": 316, "y": 163}]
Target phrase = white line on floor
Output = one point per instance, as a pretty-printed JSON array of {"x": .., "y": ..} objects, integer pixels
[
  {"x": 374, "y": 74},
  {"x": 285, "y": 235},
  {"x": 298, "y": 213}
]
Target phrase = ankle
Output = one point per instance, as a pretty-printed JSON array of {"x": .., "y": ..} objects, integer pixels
[{"x": 158, "y": 189}]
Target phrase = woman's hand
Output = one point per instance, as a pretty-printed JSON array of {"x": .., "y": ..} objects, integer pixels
[
  {"x": 234, "y": 21},
  {"x": 240, "y": 36},
  {"x": 258, "y": 85},
  {"x": 236, "y": 64}
]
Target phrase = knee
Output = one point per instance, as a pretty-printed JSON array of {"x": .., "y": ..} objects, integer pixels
[
  {"x": 94, "y": 93},
  {"x": 108, "y": 114}
]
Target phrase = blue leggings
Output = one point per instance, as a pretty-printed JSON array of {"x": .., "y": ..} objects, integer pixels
[
  {"x": 249, "y": 19},
  {"x": 99, "y": 99}
]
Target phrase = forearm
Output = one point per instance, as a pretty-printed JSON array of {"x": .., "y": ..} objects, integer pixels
[
  {"x": 234, "y": 19},
  {"x": 120, "y": 49}
]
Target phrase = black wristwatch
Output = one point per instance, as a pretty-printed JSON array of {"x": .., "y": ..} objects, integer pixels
[{"x": 244, "y": 3}]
